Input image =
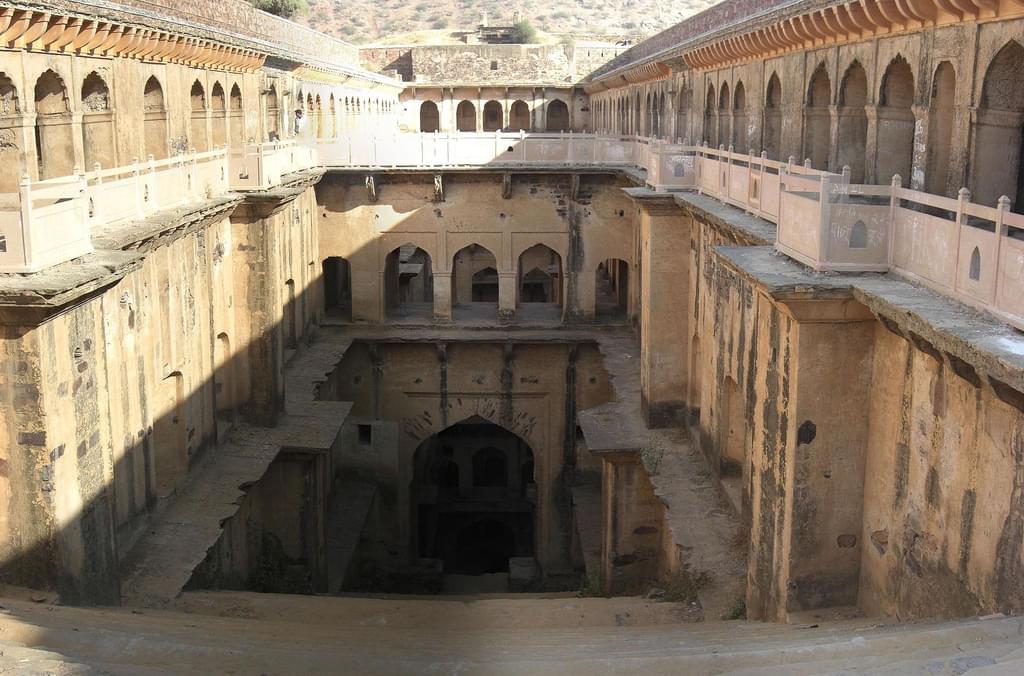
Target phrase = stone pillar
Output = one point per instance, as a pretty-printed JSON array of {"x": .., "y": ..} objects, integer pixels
[
  {"x": 919, "y": 158},
  {"x": 257, "y": 276},
  {"x": 507, "y": 282},
  {"x": 479, "y": 109},
  {"x": 665, "y": 281},
  {"x": 807, "y": 513},
  {"x": 631, "y": 524},
  {"x": 871, "y": 146},
  {"x": 443, "y": 295}
]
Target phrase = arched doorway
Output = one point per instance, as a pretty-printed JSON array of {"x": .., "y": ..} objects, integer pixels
[
  {"x": 219, "y": 115},
  {"x": 10, "y": 117},
  {"x": 558, "y": 116},
  {"x": 337, "y": 278},
  {"x": 408, "y": 283},
  {"x": 465, "y": 116},
  {"x": 430, "y": 118},
  {"x": 540, "y": 281},
  {"x": 683, "y": 114},
  {"x": 197, "y": 98},
  {"x": 470, "y": 500},
  {"x": 853, "y": 122},
  {"x": 154, "y": 125},
  {"x": 273, "y": 113},
  {"x": 493, "y": 116},
  {"x": 773, "y": 118},
  {"x": 995, "y": 169},
  {"x": 724, "y": 126},
  {"x": 611, "y": 297},
  {"x": 474, "y": 283},
  {"x": 54, "y": 147},
  {"x": 817, "y": 122},
  {"x": 236, "y": 120},
  {"x": 97, "y": 123},
  {"x": 896, "y": 123},
  {"x": 940, "y": 129},
  {"x": 710, "y": 128},
  {"x": 739, "y": 119},
  {"x": 519, "y": 116}
]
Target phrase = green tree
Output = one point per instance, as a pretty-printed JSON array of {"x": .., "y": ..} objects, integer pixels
[
  {"x": 524, "y": 33},
  {"x": 285, "y": 8}
]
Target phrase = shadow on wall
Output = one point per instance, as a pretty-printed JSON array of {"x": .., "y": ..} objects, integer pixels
[{"x": 79, "y": 545}]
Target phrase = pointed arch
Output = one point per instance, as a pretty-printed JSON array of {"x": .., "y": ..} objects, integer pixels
[
  {"x": 853, "y": 122},
  {"x": 539, "y": 270},
  {"x": 996, "y": 161},
  {"x": 710, "y": 118},
  {"x": 53, "y": 132},
  {"x": 739, "y": 119},
  {"x": 236, "y": 116},
  {"x": 155, "y": 119},
  {"x": 97, "y": 123},
  {"x": 430, "y": 118},
  {"x": 940, "y": 130},
  {"x": 896, "y": 123},
  {"x": 557, "y": 116},
  {"x": 199, "y": 123},
  {"x": 469, "y": 285},
  {"x": 818, "y": 124},
  {"x": 724, "y": 115},
  {"x": 773, "y": 117},
  {"x": 11, "y": 163},
  {"x": 465, "y": 116}
]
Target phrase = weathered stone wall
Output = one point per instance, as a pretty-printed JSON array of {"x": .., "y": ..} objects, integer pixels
[
  {"x": 118, "y": 396},
  {"x": 597, "y": 225},
  {"x": 942, "y": 524},
  {"x": 408, "y": 392}
]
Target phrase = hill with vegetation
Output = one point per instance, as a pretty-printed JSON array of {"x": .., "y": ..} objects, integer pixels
[{"x": 442, "y": 21}]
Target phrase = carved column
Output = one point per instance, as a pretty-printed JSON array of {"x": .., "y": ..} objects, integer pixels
[
  {"x": 507, "y": 282},
  {"x": 443, "y": 295}
]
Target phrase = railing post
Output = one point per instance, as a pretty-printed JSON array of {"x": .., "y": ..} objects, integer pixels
[
  {"x": 25, "y": 195},
  {"x": 760, "y": 183},
  {"x": 137, "y": 180},
  {"x": 96, "y": 210},
  {"x": 727, "y": 177},
  {"x": 1002, "y": 207},
  {"x": 962, "y": 198},
  {"x": 894, "y": 204},
  {"x": 824, "y": 211}
]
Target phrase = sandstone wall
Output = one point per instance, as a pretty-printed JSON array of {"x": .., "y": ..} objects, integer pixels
[
  {"x": 119, "y": 395},
  {"x": 408, "y": 392},
  {"x": 598, "y": 225}
]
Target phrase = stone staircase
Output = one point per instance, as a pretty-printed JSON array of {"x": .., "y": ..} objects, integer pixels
[{"x": 222, "y": 632}]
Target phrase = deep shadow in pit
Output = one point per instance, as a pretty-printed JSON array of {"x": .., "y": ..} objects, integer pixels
[{"x": 473, "y": 502}]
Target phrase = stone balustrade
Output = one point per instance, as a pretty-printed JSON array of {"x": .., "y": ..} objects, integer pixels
[
  {"x": 51, "y": 221},
  {"x": 823, "y": 220}
]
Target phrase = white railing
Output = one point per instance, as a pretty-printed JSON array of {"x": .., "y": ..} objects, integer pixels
[
  {"x": 668, "y": 165},
  {"x": 971, "y": 252},
  {"x": 261, "y": 166},
  {"x": 51, "y": 221}
]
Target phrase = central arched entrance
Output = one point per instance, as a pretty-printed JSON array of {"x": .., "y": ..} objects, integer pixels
[{"x": 472, "y": 499}]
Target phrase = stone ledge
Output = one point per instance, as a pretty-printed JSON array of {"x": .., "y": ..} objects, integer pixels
[{"x": 982, "y": 342}]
